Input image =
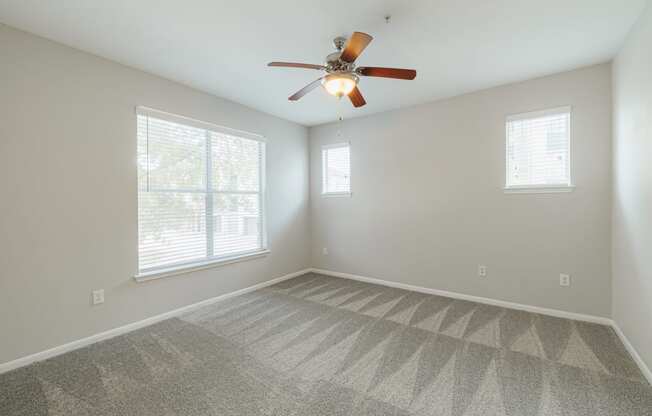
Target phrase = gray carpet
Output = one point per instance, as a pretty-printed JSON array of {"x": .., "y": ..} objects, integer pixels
[{"x": 318, "y": 345}]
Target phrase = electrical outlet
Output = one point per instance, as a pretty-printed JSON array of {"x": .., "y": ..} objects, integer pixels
[
  {"x": 98, "y": 296},
  {"x": 564, "y": 280},
  {"x": 325, "y": 251},
  {"x": 482, "y": 271}
]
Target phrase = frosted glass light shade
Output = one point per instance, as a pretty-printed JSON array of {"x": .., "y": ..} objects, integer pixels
[{"x": 339, "y": 84}]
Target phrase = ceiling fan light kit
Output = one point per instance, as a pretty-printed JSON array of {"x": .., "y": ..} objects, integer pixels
[
  {"x": 342, "y": 76},
  {"x": 340, "y": 84}
]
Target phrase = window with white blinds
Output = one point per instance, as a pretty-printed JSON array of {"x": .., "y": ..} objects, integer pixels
[
  {"x": 200, "y": 192},
  {"x": 336, "y": 169},
  {"x": 538, "y": 150}
]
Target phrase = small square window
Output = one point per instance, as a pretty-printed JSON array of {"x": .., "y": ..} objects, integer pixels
[
  {"x": 336, "y": 169},
  {"x": 538, "y": 150}
]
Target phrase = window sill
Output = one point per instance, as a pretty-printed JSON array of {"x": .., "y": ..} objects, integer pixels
[
  {"x": 187, "y": 268},
  {"x": 336, "y": 194},
  {"x": 542, "y": 189}
]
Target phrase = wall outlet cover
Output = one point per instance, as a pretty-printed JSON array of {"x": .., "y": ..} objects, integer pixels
[
  {"x": 98, "y": 296},
  {"x": 325, "y": 251},
  {"x": 482, "y": 271},
  {"x": 564, "y": 280}
]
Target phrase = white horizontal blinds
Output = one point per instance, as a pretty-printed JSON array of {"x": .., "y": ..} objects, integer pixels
[
  {"x": 176, "y": 156},
  {"x": 171, "y": 228},
  {"x": 336, "y": 161},
  {"x": 171, "y": 198},
  {"x": 237, "y": 196},
  {"x": 538, "y": 148},
  {"x": 236, "y": 163},
  {"x": 236, "y": 223},
  {"x": 200, "y": 194}
]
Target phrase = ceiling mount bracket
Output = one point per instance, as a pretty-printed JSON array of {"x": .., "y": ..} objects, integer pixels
[{"x": 339, "y": 42}]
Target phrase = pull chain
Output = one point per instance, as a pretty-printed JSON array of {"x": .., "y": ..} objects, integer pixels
[{"x": 340, "y": 118}]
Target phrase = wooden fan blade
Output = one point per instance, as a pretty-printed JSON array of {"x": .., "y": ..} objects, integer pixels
[
  {"x": 397, "y": 73},
  {"x": 356, "y": 98},
  {"x": 354, "y": 46},
  {"x": 305, "y": 90}
]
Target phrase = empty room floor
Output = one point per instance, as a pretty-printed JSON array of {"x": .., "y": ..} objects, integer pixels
[{"x": 319, "y": 345}]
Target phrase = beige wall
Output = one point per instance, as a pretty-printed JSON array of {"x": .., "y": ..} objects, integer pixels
[
  {"x": 68, "y": 195},
  {"x": 632, "y": 202},
  {"x": 428, "y": 205}
]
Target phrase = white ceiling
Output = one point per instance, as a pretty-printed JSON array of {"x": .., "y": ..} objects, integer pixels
[{"x": 222, "y": 47}]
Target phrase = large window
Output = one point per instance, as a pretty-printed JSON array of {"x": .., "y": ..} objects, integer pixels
[
  {"x": 336, "y": 169},
  {"x": 538, "y": 150},
  {"x": 200, "y": 193}
]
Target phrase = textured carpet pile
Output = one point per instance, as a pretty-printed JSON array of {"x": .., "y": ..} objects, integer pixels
[{"x": 318, "y": 345}]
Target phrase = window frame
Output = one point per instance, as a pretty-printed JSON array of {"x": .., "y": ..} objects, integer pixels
[
  {"x": 541, "y": 188},
  {"x": 151, "y": 273},
  {"x": 324, "y": 179}
]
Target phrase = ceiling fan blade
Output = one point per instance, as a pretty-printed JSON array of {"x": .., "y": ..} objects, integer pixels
[
  {"x": 296, "y": 65},
  {"x": 305, "y": 90},
  {"x": 354, "y": 46},
  {"x": 356, "y": 98},
  {"x": 397, "y": 73}
]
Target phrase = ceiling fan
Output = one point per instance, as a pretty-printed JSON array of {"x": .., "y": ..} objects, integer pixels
[{"x": 342, "y": 76}]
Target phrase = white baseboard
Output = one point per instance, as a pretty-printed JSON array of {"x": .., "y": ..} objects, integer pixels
[
  {"x": 61, "y": 349},
  {"x": 43, "y": 355},
  {"x": 505, "y": 304},
  {"x": 632, "y": 351}
]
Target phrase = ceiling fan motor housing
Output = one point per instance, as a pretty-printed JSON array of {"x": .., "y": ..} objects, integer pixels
[{"x": 333, "y": 62}]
